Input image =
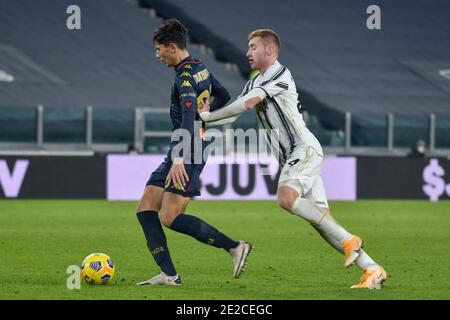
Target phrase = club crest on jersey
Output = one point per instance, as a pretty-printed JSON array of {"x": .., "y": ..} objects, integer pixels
[
  {"x": 262, "y": 106},
  {"x": 188, "y": 104},
  {"x": 186, "y": 84}
]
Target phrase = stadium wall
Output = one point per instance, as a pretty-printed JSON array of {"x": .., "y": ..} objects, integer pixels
[{"x": 123, "y": 177}]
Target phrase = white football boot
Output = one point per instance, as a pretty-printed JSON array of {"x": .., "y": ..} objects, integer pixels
[
  {"x": 162, "y": 278},
  {"x": 240, "y": 255}
]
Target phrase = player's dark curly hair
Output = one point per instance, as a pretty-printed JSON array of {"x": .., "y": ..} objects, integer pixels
[{"x": 171, "y": 31}]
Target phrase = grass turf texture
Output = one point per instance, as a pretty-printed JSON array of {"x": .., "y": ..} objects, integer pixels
[{"x": 40, "y": 239}]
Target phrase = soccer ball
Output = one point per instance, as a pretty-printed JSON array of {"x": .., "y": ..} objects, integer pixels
[{"x": 97, "y": 268}]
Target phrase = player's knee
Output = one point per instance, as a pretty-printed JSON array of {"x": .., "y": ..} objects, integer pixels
[
  {"x": 286, "y": 197},
  {"x": 286, "y": 202},
  {"x": 166, "y": 220},
  {"x": 149, "y": 203}
]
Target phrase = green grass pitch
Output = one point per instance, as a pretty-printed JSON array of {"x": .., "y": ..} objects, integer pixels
[{"x": 40, "y": 239}]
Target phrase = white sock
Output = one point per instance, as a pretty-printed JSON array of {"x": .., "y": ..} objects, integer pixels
[
  {"x": 328, "y": 227},
  {"x": 366, "y": 262},
  {"x": 333, "y": 242}
]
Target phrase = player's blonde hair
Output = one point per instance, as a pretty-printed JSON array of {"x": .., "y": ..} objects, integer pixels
[{"x": 266, "y": 34}]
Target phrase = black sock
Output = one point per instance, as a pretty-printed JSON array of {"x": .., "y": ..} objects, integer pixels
[
  {"x": 203, "y": 232},
  {"x": 156, "y": 241}
]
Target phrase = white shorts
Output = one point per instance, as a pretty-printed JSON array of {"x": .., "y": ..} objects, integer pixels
[{"x": 302, "y": 172}]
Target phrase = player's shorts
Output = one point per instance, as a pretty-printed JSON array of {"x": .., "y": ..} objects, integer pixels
[
  {"x": 302, "y": 172},
  {"x": 159, "y": 178}
]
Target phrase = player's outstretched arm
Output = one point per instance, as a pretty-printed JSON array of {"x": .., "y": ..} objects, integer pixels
[
  {"x": 245, "y": 103},
  {"x": 206, "y": 107},
  {"x": 222, "y": 121}
]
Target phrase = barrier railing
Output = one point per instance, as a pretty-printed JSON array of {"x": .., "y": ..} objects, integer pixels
[{"x": 141, "y": 132}]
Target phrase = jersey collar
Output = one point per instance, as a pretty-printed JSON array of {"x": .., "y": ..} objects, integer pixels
[
  {"x": 271, "y": 70},
  {"x": 187, "y": 60}
]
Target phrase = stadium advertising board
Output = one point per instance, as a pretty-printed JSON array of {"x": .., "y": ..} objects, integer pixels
[
  {"x": 42, "y": 177},
  {"x": 123, "y": 177},
  {"x": 127, "y": 175},
  {"x": 403, "y": 178}
]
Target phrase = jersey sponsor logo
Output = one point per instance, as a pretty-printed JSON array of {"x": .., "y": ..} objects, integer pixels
[
  {"x": 262, "y": 106},
  {"x": 201, "y": 76},
  {"x": 186, "y": 84},
  {"x": 203, "y": 96},
  {"x": 189, "y": 94}
]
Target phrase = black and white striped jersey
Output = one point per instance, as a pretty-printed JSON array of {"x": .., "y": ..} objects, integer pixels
[{"x": 280, "y": 111}]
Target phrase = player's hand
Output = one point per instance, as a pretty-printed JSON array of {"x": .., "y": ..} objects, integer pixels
[
  {"x": 178, "y": 174},
  {"x": 205, "y": 106}
]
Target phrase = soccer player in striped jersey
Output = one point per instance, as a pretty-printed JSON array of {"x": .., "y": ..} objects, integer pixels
[{"x": 301, "y": 191}]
